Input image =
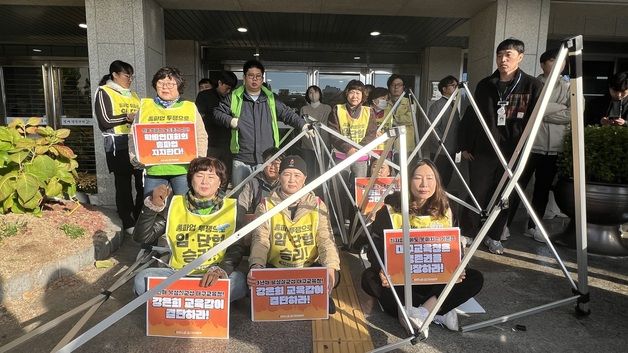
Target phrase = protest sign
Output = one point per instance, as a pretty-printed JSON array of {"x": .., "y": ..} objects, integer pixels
[
  {"x": 285, "y": 294},
  {"x": 377, "y": 191},
  {"x": 434, "y": 254},
  {"x": 185, "y": 309},
  {"x": 173, "y": 143}
]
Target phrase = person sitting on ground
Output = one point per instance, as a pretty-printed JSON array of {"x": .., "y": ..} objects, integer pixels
[
  {"x": 383, "y": 172},
  {"x": 309, "y": 243},
  {"x": 429, "y": 208},
  {"x": 209, "y": 218}
]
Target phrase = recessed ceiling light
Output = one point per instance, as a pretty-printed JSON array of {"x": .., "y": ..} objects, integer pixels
[
  {"x": 242, "y": 29},
  {"x": 256, "y": 54},
  {"x": 37, "y": 50},
  {"x": 375, "y": 33},
  {"x": 83, "y": 25},
  {"x": 356, "y": 58}
]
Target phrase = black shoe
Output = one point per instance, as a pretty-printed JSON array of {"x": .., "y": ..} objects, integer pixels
[{"x": 332, "y": 306}]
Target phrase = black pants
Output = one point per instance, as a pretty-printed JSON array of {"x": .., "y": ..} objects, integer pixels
[
  {"x": 445, "y": 169},
  {"x": 460, "y": 293},
  {"x": 123, "y": 171},
  {"x": 485, "y": 172},
  {"x": 544, "y": 169}
]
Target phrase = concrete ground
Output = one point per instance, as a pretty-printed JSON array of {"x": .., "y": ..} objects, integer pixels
[{"x": 525, "y": 277}]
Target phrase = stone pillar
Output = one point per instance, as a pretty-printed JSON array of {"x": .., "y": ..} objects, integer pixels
[
  {"x": 525, "y": 20},
  {"x": 131, "y": 31},
  {"x": 437, "y": 63},
  {"x": 184, "y": 55}
]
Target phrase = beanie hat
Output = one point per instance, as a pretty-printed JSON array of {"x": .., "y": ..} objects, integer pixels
[{"x": 295, "y": 162}]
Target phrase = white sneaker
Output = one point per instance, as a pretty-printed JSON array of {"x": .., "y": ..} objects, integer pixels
[
  {"x": 449, "y": 320},
  {"x": 416, "y": 316},
  {"x": 505, "y": 234},
  {"x": 494, "y": 246},
  {"x": 534, "y": 233}
]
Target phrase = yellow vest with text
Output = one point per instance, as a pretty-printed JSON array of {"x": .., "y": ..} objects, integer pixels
[
  {"x": 292, "y": 244},
  {"x": 417, "y": 222},
  {"x": 120, "y": 105},
  {"x": 354, "y": 129},
  {"x": 190, "y": 235},
  {"x": 180, "y": 112}
]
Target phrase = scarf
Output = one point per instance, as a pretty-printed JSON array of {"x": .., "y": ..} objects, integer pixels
[
  {"x": 204, "y": 206},
  {"x": 165, "y": 103},
  {"x": 123, "y": 91}
]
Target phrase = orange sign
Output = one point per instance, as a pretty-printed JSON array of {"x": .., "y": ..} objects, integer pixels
[
  {"x": 434, "y": 254},
  {"x": 165, "y": 143},
  {"x": 185, "y": 309},
  {"x": 286, "y": 294},
  {"x": 377, "y": 191}
]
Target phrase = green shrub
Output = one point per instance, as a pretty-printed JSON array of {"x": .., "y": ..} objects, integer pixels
[
  {"x": 72, "y": 230},
  {"x": 34, "y": 164},
  {"x": 605, "y": 150},
  {"x": 10, "y": 229}
]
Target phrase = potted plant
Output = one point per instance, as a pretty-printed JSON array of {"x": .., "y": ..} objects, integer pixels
[
  {"x": 86, "y": 186},
  {"x": 606, "y": 169}
]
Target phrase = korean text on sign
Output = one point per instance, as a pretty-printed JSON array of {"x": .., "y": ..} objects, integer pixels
[
  {"x": 185, "y": 309},
  {"x": 434, "y": 254},
  {"x": 173, "y": 143}
]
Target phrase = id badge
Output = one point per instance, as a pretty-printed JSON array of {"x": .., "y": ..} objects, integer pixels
[
  {"x": 458, "y": 157},
  {"x": 501, "y": 120}
]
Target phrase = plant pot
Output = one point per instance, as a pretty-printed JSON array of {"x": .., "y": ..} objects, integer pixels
[{"x": 607, "y": 209}]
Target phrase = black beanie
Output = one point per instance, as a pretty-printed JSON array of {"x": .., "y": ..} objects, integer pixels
[{"x": 295, "y": 162}]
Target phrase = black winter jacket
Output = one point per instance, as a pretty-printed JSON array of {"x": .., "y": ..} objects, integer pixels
[
  {"x": 151, "y": 225},
  {"x": 521, "y": 102}
]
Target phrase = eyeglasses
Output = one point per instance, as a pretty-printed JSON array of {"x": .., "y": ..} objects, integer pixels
[
  {"x": 130, "y": 77},
  {"x": 254, "y": 77},
  {"x": 397, "y": 85},
  {"x": 166, "y": 84}
]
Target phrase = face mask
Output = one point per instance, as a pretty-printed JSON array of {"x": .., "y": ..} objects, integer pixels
[{"x": 382, "y": 104}]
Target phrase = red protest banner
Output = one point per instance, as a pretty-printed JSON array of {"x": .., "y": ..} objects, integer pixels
[
  {"x": 376, "y": 192},
  {"x": 173, "y": 143},
  {"x": 185, "y": 309},
  {"x": 285, "y": 294},
  {"x": 434, "y": 254}
]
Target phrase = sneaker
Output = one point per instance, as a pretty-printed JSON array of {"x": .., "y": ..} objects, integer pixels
[
  {"x": 494, "y": 246},
  {"x": 449, "y": 320},
  {"x": 466, "y": 241},
  {"x": 416, "y": 316},
  {"x": 505, "y": 234},
  {"x": 534, "y": 233}
]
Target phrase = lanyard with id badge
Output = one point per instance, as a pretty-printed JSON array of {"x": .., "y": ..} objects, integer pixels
[{"x": 503, "y": 102}]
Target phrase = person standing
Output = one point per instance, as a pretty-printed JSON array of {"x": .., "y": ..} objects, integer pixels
[
  {"x": 319, "y": 111},
  {"x": 115, "y": 107},
  {"x": 548, "y": 145},
  {"x": 506, "y": 100},
  {"x": 252, "y": 112},
  {"x": 166, "y": 108},
  {"x": 217, "y": 134},
  {"x": 447, "y": 87},
  {"x": 402, "y": 116}
]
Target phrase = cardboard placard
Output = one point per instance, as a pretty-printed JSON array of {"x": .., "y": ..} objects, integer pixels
[
  {"x": 434, "y": 254},
  {"x": 187, "y": 310},
  {"x": 376, "y": 192},
  {"x": 286, "y": 294},
  {"x": 165, "y": 143}
]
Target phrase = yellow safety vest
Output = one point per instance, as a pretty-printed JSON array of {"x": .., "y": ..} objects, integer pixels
[
  {"x": 418, "y": 221},
  {"x": 121, "y": 104},
  {"x": 190, "y": 235},
  {"x": 403, "y": 116},
  {"x": 293, "y": 244},
  {"x": 354, "y": 129}
]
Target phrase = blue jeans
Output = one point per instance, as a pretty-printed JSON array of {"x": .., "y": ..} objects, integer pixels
[
  {"x": 178, "y": 183},
  {"x": 240, "y": 171},
  {"x": 238, "y": 289}
]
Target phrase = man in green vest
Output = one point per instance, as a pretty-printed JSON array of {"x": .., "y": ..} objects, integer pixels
[{"x": 252, "y": 112}]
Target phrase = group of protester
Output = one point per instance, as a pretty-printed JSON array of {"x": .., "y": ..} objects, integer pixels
[{"x": 237, "y": 131}]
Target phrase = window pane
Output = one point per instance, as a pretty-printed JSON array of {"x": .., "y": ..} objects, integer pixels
[
  {"x": 289, "y": 86},
  {"x": 24, "y": 90},
  {"x": 75, "y": 92},
  {"x": 332, "y": 86}
]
